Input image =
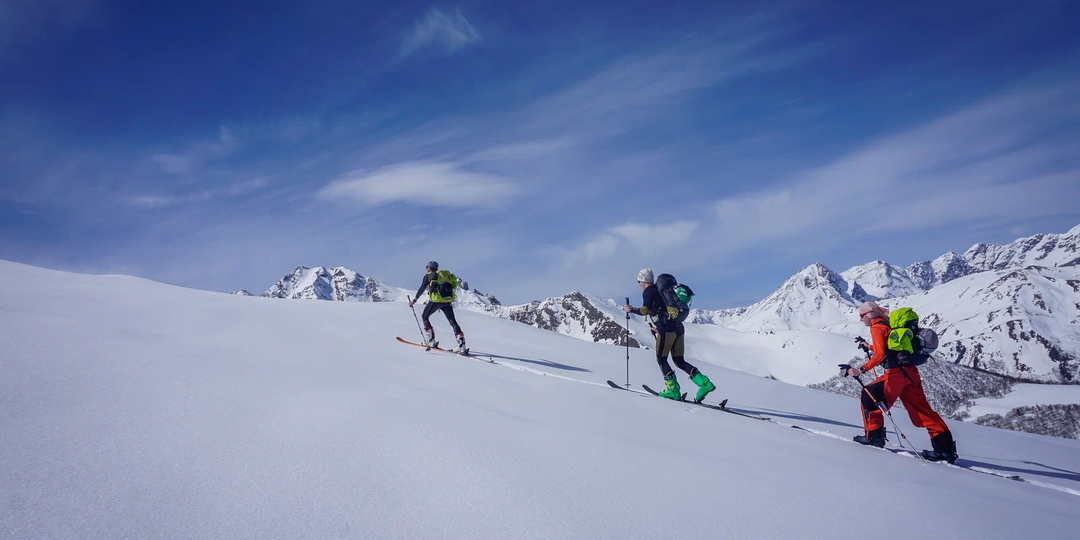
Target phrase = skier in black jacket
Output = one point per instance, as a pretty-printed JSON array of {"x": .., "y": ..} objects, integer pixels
[
  {"x": 669, "y": 339},
  {"x": 439, "y": 287}
]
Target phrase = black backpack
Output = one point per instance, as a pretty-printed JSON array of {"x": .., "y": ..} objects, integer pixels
[{"x": 676, "y": 297}]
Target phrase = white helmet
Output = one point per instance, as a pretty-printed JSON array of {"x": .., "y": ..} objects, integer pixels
[{"x": 645, "y": 275}]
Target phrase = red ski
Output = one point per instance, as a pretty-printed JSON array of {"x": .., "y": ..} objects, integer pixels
[{"x": 465, "y": 354}]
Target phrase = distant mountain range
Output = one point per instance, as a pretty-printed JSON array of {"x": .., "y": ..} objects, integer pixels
[
  {"x": 1012, "y": 309},
  {"x": 345, "y": 285},
  {"x": 1011, "y": 312}
]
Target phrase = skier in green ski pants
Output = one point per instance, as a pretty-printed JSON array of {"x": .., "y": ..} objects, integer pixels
[{"x": 669, "y": 340}]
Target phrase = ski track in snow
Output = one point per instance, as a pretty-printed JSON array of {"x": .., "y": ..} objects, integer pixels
[{"x": 820, "y": 433}]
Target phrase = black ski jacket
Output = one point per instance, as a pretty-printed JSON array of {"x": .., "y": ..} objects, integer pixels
[
  {"x": 653, "y": 306},
  {"x": 423, "y": 290}
]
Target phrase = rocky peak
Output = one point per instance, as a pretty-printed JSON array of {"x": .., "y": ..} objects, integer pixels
[{"x": 1041, "y": 249}]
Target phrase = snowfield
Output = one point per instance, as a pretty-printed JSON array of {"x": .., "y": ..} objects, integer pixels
[{"x": 132, "y": 409}]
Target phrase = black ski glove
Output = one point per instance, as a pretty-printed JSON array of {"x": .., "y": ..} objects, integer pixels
[{"x": 862, "y": 344}]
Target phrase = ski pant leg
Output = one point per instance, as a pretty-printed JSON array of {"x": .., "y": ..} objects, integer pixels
[
  {"x": 429, "y": 310},
  {"x": 922, "y": 415},
  {"x": 678, "y": 349},
  {"x": 886, "y": 390},
  {"x": 448, "y": 310},
  {"x": 664, "y": 342},
  {"x": 873, "y": 419}
]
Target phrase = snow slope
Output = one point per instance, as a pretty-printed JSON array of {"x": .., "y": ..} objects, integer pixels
[{"x": 131, "y": 409}]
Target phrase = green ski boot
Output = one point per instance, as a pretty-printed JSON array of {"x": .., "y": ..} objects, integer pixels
[
  {"x": 672, "y": 391},
  {"x": 704, "y": 386}
]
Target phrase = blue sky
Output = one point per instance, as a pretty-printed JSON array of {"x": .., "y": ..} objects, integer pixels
[{"x": 533, "y": 148}]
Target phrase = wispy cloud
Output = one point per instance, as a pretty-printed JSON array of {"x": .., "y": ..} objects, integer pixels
[
  {"x": 600, "y": 125},
  {"x": 421, "y": 183},
  {"x": 155, "y": 201},
  {"x": 991, "y": 161},
  {"x": 150, "y": 202},
  {"x": 639, "y": 239},
  {"x": 447, "y": 33},
  {"x": 198, "y": 153}
]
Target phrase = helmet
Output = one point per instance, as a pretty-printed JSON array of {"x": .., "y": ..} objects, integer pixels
[
  {"x": 645, "y": 275},
  {"x": 433, "y": 265}
]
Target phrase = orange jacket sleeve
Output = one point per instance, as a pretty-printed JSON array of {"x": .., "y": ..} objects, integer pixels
[{"x": 879, "y": 337}]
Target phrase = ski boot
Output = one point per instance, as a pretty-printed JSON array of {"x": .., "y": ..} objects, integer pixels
[
  {"x": 944, "y": 449},
  {"x": 704, "y": 386},
  {"x": 429, "y": 339},
  {"x": 672, "y": 391},
  {"x": 461, "y": 348},
  {"x": 872, "y": 438}
]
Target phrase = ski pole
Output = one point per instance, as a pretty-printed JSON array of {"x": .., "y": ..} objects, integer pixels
[
  {"x": 418, "y": 327},
  {"x": 628, "y": 344}
]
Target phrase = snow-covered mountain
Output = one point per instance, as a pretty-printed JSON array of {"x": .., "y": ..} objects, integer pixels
[
  {"x": 992, "y": 312},
  {"x": 814, "y": 298},
  {"x": 1042, "y": 250},
  {"x": 720, "y": 317},
  {"x": 344, "y": 285},
  {"x": 576, "y": 314},
  {"x": 1019, "y": 322},
  {"x": 877, "y": 280},
  {"x": 929, "y": 274},
  {"x": 338, "y": 283},
  {"x": 991, "y": 308},
  {"x": 242, "y": 292}
]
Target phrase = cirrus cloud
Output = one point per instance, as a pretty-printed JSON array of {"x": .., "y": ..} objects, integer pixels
[
  {"x": 423, "y": 184},
  {"x": 449, "y": 32}
]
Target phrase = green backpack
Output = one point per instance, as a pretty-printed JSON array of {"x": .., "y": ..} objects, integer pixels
[
  {"x": 442, "y": 287},
  {"x": 913, "y": 345}
]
